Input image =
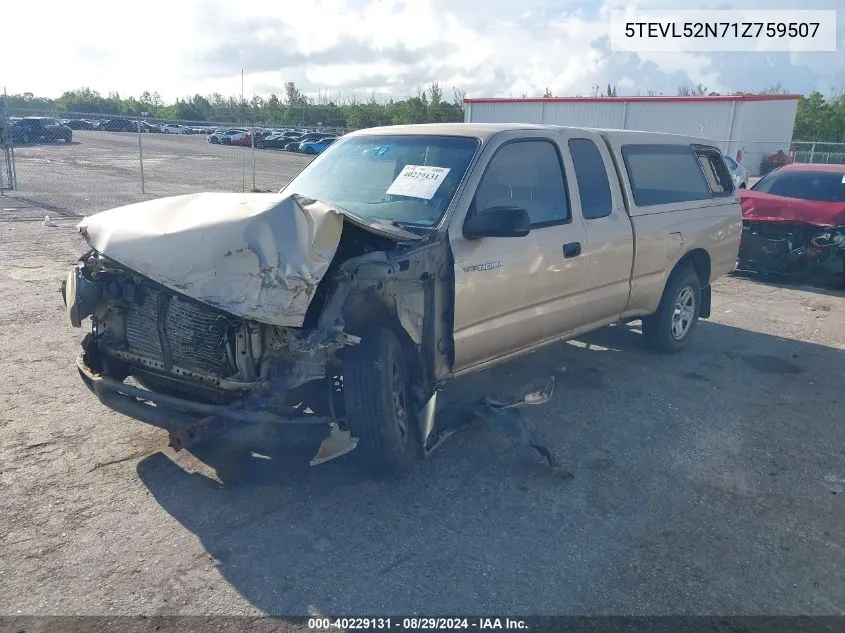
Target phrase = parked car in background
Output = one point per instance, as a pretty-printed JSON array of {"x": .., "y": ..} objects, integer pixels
[
  {"x": 293, "y": 146},
  {"x": 233, "y": 136},
  {"x": 738, "y": 173},
  {"x": 119, "y": 125},
  {"x": 316, "y": 147},
  {"x": 276, "y": 141},
  {"x": 215, "y": 136},
  {"x": 81, "y": 124},
  {"x": 34, "y": 129},
  {"x": 778, "y": 159},
  {"x": 174, "y": 128},
  {"x": 244, "y": 140},
  {"x": 146, "y": 127},
  {"x": 793, "y": 223}
]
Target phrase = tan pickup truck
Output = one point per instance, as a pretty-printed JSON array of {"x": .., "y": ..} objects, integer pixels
[{"x": 400, "y": 258}]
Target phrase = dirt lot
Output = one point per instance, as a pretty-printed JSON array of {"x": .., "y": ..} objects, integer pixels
[{"x": 709, "y": 482}]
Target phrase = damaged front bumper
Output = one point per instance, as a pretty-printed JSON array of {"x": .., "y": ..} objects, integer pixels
[{"x": 188, "y": 422}]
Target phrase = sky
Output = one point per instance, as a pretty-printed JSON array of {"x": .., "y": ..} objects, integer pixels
[{"x": 390, "y": 48}]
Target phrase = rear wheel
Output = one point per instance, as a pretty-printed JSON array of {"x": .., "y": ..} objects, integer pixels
[
  {"x": 378, "y": 404},
  {"x": 671, "y": 327}
]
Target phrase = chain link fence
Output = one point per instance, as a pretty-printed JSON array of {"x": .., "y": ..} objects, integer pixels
[
  {"x": 758, "y": 158},
  {"x": 104, "y": 162},
  {"x": 112, "y": 161},
  {"x": 7, "y": 166},
  {"x": 818, "y": 152},
  {"x": 7, "y": 172}
]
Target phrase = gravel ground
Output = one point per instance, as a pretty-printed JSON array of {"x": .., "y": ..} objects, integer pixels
[
  {"x": 711, "y": 482},
  {"x": 99, "y": 170}
]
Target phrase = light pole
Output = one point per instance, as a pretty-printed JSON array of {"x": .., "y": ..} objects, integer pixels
[
  {"x": 141, "y": 150},
  {"x": 243, "y": 152}
]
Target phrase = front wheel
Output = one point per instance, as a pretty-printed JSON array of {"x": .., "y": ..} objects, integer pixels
[
  {"x": 671, "y": 327},
  {"x": 378, "y": 403}
]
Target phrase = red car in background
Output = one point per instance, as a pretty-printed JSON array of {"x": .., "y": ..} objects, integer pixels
[
  {"x": 244, "y": 139},
  {"x": 794, "y": 223}
]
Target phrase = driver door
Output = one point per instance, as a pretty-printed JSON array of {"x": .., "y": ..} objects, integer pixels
[{"x": 513, "y": 293}]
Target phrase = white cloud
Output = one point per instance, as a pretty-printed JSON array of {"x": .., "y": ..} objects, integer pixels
[{"x": 356, "y": 47}]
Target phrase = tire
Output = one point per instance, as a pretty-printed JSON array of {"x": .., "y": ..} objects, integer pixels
[
  {"x": 664, "y": 332},
  {"x": 377, "y": 402}
]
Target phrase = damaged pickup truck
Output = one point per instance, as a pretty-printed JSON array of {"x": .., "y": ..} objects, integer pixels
[
  {"x": 794, "y": 224},
  {"x": 400, "y": 258}
]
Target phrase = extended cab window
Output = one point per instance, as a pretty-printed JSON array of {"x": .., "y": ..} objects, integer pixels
[
  {"x": 529, "y": 175},
  {"x": 591, "y": 174},
  {"x": 664, "y": 174},
  {"x": 716, "y": 172}
]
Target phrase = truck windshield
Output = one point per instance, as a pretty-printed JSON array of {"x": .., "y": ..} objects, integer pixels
[{"x": 407, "y": 179}]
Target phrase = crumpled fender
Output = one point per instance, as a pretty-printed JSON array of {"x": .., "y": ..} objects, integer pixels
[{"x": 255, "y": 255}]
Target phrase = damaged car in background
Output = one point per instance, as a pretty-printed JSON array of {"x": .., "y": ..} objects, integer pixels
[
  {"x": 399, "y": 259},
  {"x": 794, "y": 224}
]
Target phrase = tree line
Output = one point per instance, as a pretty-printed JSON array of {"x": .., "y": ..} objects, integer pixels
[
  {"x": 292, "y": 108},
  {"x": 818, "y": 118}
]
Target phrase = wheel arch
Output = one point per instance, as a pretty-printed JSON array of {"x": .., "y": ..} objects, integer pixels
[
  {"x": 363, "y": 310},
  {"x": 699, "y": 260}
]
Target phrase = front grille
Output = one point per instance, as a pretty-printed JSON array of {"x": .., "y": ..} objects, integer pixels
[
  {"x": 195, "y": 336},
  {"x": 142, "y": 329}
]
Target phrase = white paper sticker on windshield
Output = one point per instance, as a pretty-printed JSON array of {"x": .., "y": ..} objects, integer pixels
[
  {"x": 418, "y": 181},
  {"x": 843, "y": 180}
]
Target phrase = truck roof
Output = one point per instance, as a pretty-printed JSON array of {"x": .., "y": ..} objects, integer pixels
[{"x": 485, "y": 131}]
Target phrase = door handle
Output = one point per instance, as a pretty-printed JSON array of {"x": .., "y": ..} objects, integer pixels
[{"x": 573, "y": 249}]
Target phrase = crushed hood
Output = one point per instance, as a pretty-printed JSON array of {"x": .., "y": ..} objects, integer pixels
[
  {"x": 256, "y": 255},
  {"x": 765, "y": 207}
]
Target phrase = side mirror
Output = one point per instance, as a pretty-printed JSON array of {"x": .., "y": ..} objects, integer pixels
[{"x": 497, "y": 222}]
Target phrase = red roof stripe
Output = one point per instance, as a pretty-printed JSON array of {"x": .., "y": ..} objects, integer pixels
[{"x": 775, "y": 97}]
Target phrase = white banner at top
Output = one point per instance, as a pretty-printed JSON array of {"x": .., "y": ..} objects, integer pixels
[{"x": 635, "y": 30}]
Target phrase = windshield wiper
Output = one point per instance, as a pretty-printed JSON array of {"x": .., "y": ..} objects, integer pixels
[{"x": 402, "y": 224}]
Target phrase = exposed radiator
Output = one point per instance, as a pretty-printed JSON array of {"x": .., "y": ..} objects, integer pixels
[{"x": 196, "y": 336}]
